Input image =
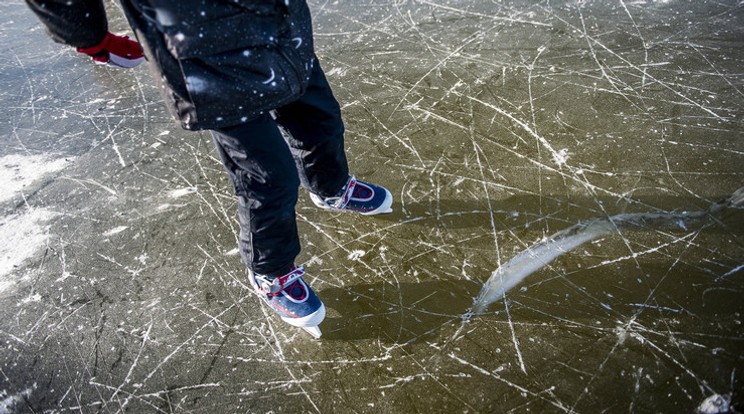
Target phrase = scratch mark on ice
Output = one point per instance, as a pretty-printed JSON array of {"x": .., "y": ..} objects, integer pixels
[{"x": 545, "y": 251}]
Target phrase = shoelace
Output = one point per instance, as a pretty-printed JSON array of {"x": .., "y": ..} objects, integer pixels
[
  {"x": 343, "y": 199},
  {"x": 275, "y": 286}
]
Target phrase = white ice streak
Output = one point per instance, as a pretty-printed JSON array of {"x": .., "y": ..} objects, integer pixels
[
  {"x": 534, "y": 258},
  {"x": 543, "y": 252},
  {"x": 115, "y": 230},
  {"x": 730, "y": 272},
  {"x": 182, "y": 192}
]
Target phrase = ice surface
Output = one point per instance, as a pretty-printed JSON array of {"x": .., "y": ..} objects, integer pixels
[{"x": 495, "y": 124}]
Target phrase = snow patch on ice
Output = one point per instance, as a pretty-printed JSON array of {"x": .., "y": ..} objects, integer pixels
[
  {"x": 7, "y": 401},
  {"x": 561, "y": 157},
  {"x": 18, "y": 171},
  {"x": 356, "y": 254},
  {"x": 315, "y": 260},
  {"x": 22, "y": 235},
  {"x": 715, "y": 404},
  {"x": 143, "y": 258},
  {"x": 34, "y": 297}
]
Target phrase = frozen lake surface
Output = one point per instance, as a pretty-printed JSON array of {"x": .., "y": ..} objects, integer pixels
[{"x": 497, "y": 125}]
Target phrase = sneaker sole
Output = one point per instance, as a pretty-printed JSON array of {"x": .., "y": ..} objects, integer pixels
[
  {"x": 119, "y": 62},
  {"x": 385, "y": 207}
]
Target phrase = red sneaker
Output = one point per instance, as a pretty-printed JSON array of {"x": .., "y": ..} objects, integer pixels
[{"x": 115, "y": 51}]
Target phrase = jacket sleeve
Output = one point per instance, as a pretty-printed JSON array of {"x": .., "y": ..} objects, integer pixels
[{"x": 77, "y": 23}]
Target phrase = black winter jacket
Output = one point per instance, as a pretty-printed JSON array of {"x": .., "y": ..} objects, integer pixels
[{"x": 219, "y": 62}]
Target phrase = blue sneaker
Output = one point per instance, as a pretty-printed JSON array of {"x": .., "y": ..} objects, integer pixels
[
  {"x": 359, "y": 197},
  {"x": 291, "y": 298}
]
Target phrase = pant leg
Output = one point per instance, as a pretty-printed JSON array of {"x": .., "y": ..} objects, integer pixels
[
  {"x": 314, "y": 131},
  {"x": 262, "y": 170},
  {"x": 78, "y": 23}
]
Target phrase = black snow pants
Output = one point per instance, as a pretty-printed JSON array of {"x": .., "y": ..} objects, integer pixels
[{"x": 269, "y": 157}]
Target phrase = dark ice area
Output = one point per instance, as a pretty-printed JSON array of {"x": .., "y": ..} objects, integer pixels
[{"x": 495, "y": 124}]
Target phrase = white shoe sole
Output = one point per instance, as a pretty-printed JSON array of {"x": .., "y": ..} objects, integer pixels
[
  {"x": 385, "y": 207},
  {"x": 122, "y": 62},
  {"x": 310, "y": 321}
]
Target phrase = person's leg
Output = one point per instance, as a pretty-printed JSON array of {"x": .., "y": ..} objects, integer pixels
[
  {"x": 263, "y": 173},
  {"x": 314, "y": 130},
  {"x": 262, "y": 170}
]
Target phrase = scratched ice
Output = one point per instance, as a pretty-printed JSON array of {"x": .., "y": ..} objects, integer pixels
[{"x": 496, "y": 124}]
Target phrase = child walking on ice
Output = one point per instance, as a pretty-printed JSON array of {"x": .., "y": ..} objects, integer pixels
[{"x": 246, "y": 71}]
